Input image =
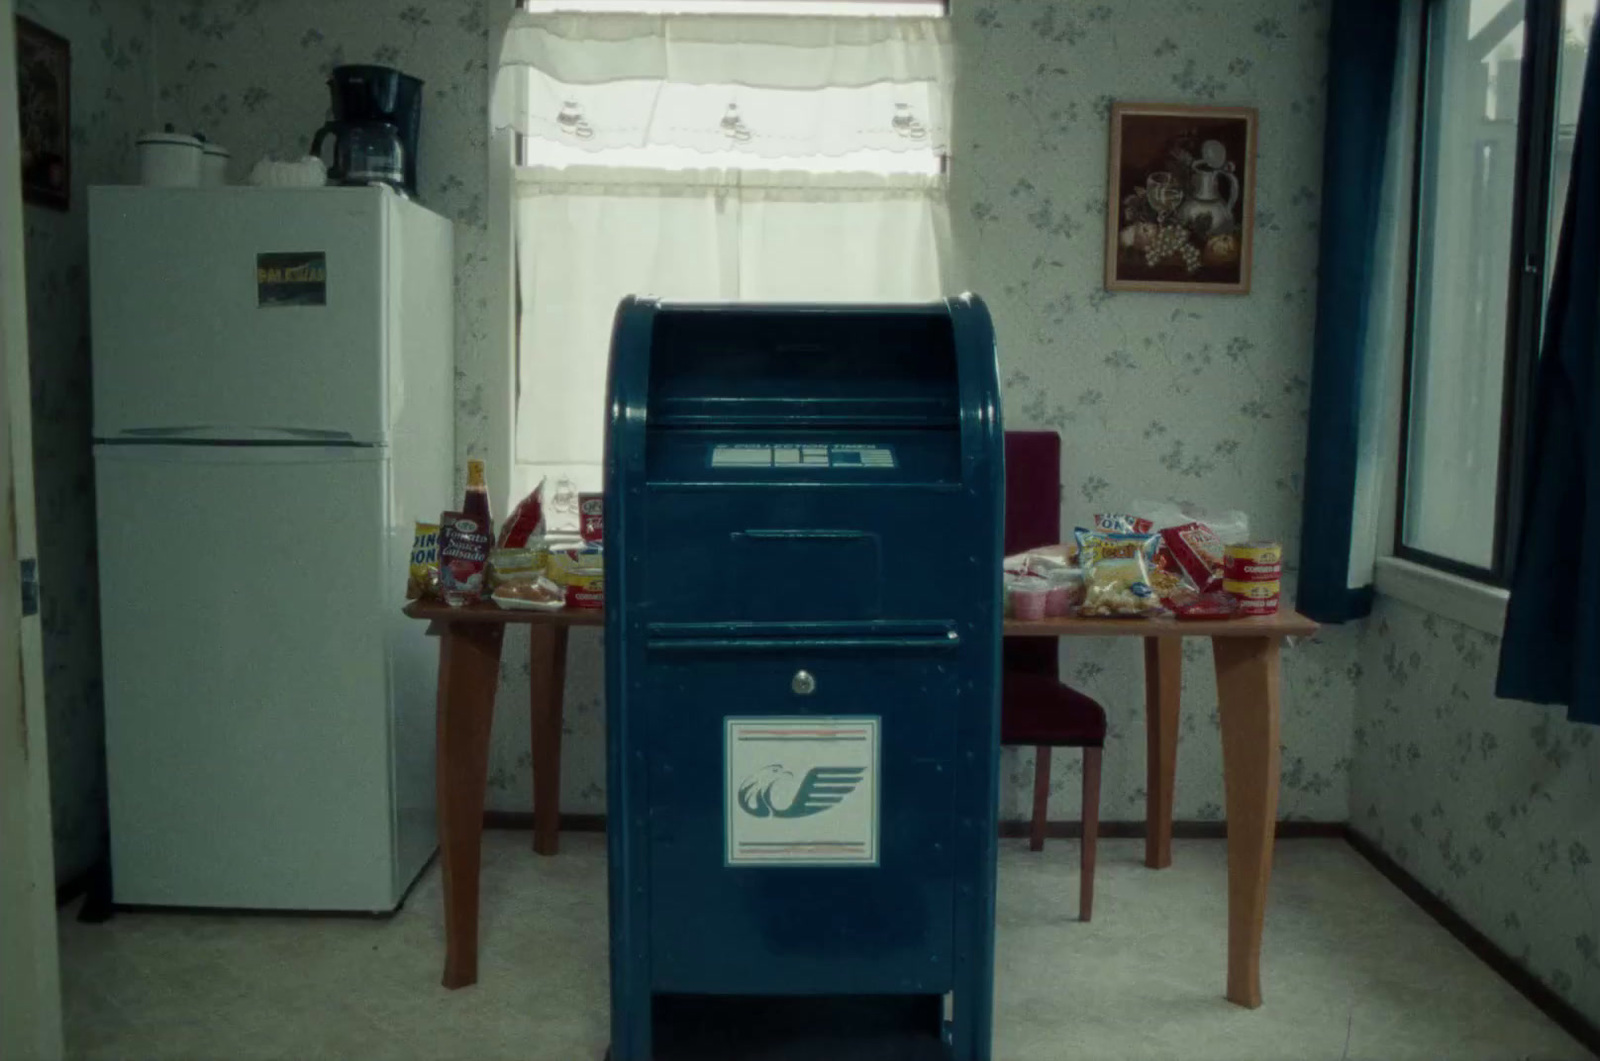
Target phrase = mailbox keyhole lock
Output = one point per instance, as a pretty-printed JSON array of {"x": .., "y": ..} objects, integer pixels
[{"x": 803, "y": 683}]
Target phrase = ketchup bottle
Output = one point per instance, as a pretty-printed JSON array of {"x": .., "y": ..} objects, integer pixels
[{"x": 476, "y": 504}]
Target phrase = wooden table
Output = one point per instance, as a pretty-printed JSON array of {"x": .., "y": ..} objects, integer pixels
[{"x": 1248, "y": 688}]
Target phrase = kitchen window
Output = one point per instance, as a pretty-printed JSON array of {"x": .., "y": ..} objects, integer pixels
[
  {"x": 793, "y": 155},
  {"x": 1500, "y": 85}
]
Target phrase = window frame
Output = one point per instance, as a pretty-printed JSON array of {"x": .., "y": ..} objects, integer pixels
[{"x": 1543, "y": 27}]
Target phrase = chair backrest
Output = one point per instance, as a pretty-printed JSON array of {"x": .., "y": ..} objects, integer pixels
[{"x": 1033, "y": 518}]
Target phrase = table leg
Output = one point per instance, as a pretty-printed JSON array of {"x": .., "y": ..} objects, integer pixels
[
  {"x": 547, "y": 658},
  {"x": 469, "y": 672},
  {"x": 1163, "y": 677},
  {"x": 1247, "y": 695}
]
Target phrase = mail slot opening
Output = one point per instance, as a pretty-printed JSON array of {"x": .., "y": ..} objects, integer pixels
[{"x": 745, "y": 395}]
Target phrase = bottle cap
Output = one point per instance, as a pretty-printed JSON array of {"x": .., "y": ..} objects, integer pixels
[{"x": 474, "y": 473}]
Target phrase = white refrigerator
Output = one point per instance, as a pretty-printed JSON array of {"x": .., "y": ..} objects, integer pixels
[{"x": 273, "y": 378}]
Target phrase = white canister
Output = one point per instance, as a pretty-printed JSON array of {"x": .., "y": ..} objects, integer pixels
[
  {"x": 214, "y": 165},
  {"x": 169, "y": 160}
]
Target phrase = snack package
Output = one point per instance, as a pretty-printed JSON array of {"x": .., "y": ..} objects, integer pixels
[
  {"x": 591, "y": 516},
  {"x": 580, "y": 571},
  {"x": 423, "y": 578},
  {"x": 1192, "y": 606},
  {"x": 463, "y": 556},
  {"x": 531, "y": 594},
  {"x": 1116, "y": 574},
  {"x": 1122, "y": 523},
  {"x": 1197, "y": 552},
  {"x": 518, "y": 565},
  {"x": 525, "y": 522}
]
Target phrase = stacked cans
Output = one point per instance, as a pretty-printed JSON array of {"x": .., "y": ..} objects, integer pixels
[{"x": 1252, "y": 573}]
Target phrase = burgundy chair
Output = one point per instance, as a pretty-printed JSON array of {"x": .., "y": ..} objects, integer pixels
[{"x": 1036, "y": 707}]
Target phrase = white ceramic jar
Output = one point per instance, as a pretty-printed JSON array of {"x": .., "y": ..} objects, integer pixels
[
  {"x": 214, "y": 165},
  {"x": 170, "y": 160}
]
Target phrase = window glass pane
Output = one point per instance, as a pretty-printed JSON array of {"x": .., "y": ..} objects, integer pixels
[
  {"x": 1577, "y": 27},
  {"x": 1468, "y": 183}
]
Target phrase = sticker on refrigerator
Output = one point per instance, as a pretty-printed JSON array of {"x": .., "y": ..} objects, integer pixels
[
  {"x": 802, "y": 455},
  {"x": 801, "y": 791},
  {"x": 292, "y": 279}
]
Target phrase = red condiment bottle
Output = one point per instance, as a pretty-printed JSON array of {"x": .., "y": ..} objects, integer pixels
[{"x": 476, "y": 503}]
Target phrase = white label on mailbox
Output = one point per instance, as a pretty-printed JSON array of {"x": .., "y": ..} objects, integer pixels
[
  {"x": 801, "y": 791},
  {"x": 801, "y": 455}
]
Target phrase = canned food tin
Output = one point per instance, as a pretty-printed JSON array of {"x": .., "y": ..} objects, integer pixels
[
  {"x": 1259, "y": 607},
  {"x": 1251, "y": 590},
  {"x": 1253, "y": 562}
]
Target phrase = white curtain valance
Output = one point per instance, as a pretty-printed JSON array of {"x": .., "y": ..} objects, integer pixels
[{"x": 764, "y": 86}]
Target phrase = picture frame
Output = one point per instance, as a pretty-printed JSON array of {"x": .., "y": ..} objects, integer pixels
[
  {"x": 44, "y": 101},
  {"x": 1180, "y": 201}
]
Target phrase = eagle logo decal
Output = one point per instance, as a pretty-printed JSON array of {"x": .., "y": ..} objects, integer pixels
[{"x": 772, "y": 792}]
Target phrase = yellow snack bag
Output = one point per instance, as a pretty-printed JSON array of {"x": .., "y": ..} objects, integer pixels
[
  {"x": 1116, "y": 574},
  {"x": 423, "y": 578}
]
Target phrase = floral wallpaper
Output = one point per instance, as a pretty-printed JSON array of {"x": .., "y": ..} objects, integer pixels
[
  {"x": 1491, "y": 804},
  {"x": 1192, "y": 397},
  {"x": 110, "y": 106}
]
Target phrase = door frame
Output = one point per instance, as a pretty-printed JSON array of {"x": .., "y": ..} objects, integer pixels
[{"x": 30, "y": 977}]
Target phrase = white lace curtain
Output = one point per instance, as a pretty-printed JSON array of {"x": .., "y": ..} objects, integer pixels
[
  {"x": 763, "y": 86},
  {"x": 648, "y": 185}
]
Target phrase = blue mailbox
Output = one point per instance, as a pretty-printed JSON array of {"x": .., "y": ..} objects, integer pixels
[{"x": 803, "y": 534}]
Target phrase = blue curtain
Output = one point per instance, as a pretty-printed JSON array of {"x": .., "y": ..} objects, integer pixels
[
  {"x": 1551, "y": 650},
  {"x": 1363, "y": 37}
]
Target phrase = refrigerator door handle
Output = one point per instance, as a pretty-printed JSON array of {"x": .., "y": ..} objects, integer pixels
[{"x": 216, "y": 433}]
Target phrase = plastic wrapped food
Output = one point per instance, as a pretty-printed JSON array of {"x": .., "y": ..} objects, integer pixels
[
  {"x": 525, "y": 524},
  {"x": 518, "y": 565},
  {"x": 422, "y": 580},
  {"x": 1195, "y": 606},
  {"x": 1116, "y": 574},
  {"x": 532, "y": 594},
  {"x": 1042, "y": 560},
  {"x": 580, "y": 570}
]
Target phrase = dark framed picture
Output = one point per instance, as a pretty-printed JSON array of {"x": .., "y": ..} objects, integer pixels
[
  {"x": 44, "y": 89},
  {"x": 1180, "y": 212}
]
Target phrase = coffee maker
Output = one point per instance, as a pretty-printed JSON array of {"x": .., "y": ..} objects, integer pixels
[{"x": 377, "y": 115}]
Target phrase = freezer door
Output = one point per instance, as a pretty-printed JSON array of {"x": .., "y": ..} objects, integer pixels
[
  {"x": 243, "y": 598},
  {"x": 210, "y": 320}
]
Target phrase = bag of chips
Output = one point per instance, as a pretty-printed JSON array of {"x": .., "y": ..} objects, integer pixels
[
  {"x": 1122, "y": 523},
  {"x": 1116, "y": 574},
  {"x": 423, "y": 578}
]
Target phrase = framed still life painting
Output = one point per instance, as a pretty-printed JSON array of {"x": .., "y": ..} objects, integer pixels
[
  {"x": 1180, "y": 212},
  {"x": 44, "y": 82}
]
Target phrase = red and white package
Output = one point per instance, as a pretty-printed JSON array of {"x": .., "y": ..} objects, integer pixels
[
  {"x": 1122, "y": 523},
  {"x": 591, "y": 514},
  {"x": 463, "y": 556},
  {"x": 525, "y": 523},
  {"x": 1198, "y": 554}
]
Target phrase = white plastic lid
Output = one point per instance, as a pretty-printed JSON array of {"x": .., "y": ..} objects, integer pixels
[{"x": 216, "y": 149}]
